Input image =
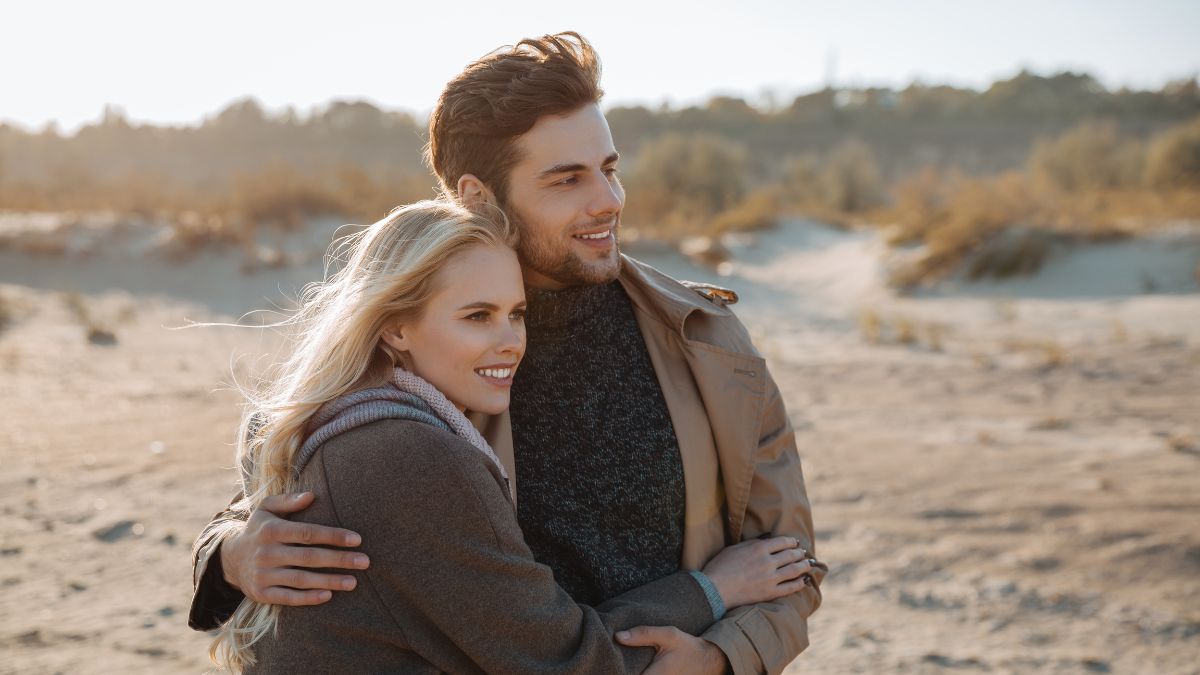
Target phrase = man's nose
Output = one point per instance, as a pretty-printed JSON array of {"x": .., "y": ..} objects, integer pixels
[{"x": 608, "y": 197}]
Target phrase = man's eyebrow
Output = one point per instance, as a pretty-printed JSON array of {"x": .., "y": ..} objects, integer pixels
[{"x": 576, "y": 166}]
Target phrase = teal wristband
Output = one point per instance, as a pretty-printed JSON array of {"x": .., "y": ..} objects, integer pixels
[{"x": 715, "y": 603}]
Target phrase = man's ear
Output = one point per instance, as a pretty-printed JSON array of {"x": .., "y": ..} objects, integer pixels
[{"x": 472, "y": 192}]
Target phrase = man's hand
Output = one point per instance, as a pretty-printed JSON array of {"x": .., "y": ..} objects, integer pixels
[
  {"x": 261, "y": 561},
  {"x": 678, "y": 652}
]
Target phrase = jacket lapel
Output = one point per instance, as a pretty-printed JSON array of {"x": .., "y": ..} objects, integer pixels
[{"x": 731, "y": 387}]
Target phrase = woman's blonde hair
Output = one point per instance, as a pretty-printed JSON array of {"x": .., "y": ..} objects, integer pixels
[{"x": 388, "y": 278}]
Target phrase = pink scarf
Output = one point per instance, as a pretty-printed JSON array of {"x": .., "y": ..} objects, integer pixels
[{"x": 417, "y": 386}]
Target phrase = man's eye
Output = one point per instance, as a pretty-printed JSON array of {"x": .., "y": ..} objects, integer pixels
[
  {"x": 610, "y": 171},
  {"x": 569, "y": 180}
]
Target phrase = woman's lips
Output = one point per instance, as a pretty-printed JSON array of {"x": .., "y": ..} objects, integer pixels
[{"x": 500, "y": 376}]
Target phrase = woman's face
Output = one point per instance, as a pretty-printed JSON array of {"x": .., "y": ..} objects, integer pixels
[{"x": 471, "y": 335}]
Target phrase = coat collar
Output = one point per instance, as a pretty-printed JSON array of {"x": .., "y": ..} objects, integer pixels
[{"x": 673, "y": 302}]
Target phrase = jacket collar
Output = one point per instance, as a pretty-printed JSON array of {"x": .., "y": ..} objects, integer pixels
[{"x": 673, "y": 302}]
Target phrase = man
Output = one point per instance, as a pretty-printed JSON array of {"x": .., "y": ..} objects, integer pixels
[{"x": 645, "y": 432}]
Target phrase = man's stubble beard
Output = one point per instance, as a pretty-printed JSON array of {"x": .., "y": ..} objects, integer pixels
[{"x": 559, "y": 262}]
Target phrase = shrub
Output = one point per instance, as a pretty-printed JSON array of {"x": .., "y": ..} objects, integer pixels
[
  {"x": 1173, "y": 160},
  {"x": 1090, "y": 156},
  {"x": 849, "y": 178},
  {"x": 758, "y": 211},
  {"x": 681, "y": 182}
]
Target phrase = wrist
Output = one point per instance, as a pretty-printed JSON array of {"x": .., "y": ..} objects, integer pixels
[
  {"x": 715, "y": 661},
  {"x": 716, "y": 601},
  {"x": 219, "y": 559}
]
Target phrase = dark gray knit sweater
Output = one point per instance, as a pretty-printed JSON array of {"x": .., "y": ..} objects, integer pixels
[{"x": 599, "y": 477}]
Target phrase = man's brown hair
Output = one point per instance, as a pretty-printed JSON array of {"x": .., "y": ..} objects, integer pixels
[{"x": 480, "y": 114}]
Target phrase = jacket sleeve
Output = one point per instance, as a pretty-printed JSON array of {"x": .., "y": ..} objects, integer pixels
[
  {"x": 213, "y": 599},
  {"x": 451, "y": 568},
  {"x": 766, "y": 637}
]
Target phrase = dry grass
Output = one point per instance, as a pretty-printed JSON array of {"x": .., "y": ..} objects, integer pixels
[
  {"x": 1183, "y": 441},
  {"x": 96, "y": 331},
  {"x": 1088, "y": 184},
  {"x": 898, "y": 329},
  {"x": 7, "y": 312},
  {"x": 1050, "y": 423},
  {"x": 904, "y": 331},
  {"x": 1050, "y": 353},
  {"x": 870, "y": 326},
  {"x": 1120, "y": 334},
  {"x": 758, "y": 211}
]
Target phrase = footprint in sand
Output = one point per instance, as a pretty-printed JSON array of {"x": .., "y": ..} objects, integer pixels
[{"x": 119, "y": 530}]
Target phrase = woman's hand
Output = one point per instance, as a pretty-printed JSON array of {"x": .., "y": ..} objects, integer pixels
[{"x": 758, "y": 570}]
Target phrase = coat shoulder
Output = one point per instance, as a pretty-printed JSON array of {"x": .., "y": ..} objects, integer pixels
[
  {"x": 404, "y": 450},
  {"x": 718, "y": 295}
]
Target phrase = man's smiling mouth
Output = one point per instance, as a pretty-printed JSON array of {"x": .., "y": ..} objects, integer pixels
[{"x": 598, "y": 235}]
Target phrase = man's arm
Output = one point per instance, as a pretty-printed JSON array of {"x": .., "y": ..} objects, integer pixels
[
  {"x": 256, "y": 554},
  {"x": 766, "y": 637}
]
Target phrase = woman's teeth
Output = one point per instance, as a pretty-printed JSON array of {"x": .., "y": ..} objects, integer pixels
[{"x": 498, "y": 373}]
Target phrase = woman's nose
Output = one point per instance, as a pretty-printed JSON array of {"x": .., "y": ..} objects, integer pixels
[{"x": 511, "y": 338}]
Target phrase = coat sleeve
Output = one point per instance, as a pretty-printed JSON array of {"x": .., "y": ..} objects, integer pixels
[
  {"x": 213, "y": 599},
  {"x": 451, "y": 568},
  {"x": 766, "y": 637}
]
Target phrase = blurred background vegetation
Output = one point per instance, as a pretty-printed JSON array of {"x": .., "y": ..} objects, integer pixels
[{"x": 1029, "y": 158}]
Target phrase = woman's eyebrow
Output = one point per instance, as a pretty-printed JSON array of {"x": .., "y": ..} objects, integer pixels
[{"x": 479, "y": 305}]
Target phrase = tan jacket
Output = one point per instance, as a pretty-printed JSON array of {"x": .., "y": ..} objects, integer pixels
[
  {"x": 740, "y": 465},
  {"x": 741, "y": 469}
]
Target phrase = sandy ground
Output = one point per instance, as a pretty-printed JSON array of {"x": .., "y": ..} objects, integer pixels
[{"x": 1004, "y": 476}]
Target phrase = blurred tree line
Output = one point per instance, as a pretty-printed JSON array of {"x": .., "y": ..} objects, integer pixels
[{"x": 1069, "y": 148}]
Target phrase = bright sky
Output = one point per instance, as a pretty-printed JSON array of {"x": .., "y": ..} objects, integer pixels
[{"x": 175, "y": 62}]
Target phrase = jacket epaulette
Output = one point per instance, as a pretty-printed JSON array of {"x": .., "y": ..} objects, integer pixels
[{"x": 715, "y": 294}]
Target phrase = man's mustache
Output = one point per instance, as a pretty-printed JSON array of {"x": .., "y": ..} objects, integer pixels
[{"x": 601, "y": 222}]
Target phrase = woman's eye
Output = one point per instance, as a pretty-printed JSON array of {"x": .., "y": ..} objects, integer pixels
[
  {"x": 517, "y": 315},
  {"x": 478, "y": 316}
]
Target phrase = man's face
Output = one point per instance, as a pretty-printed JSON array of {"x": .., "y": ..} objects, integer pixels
[{"x": 565, "y": 199}]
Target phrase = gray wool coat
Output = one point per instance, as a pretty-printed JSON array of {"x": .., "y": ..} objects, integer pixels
[{"x": 452, "y": 586}]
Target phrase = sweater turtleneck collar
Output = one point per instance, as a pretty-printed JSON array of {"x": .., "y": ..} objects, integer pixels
[{"x": 553, "y": 311}]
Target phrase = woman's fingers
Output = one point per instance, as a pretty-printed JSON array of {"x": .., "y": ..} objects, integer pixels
[
  {"x": 777, "y": 544},
  {"x": 794, "y": 570},
  {"x": 789, "y": 587},
  {"x": 788, "y": 556}
]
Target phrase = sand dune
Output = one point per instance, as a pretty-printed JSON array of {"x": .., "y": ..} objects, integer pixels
[{"x": 1004, "y": 475}]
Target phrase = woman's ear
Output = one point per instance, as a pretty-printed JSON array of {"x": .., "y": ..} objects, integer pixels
[
  {"x": 394, "y": 338},
  {"x": 473, "y": 193}
]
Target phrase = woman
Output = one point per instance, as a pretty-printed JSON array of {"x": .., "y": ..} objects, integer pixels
[{"x": 423, "y": 323}]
